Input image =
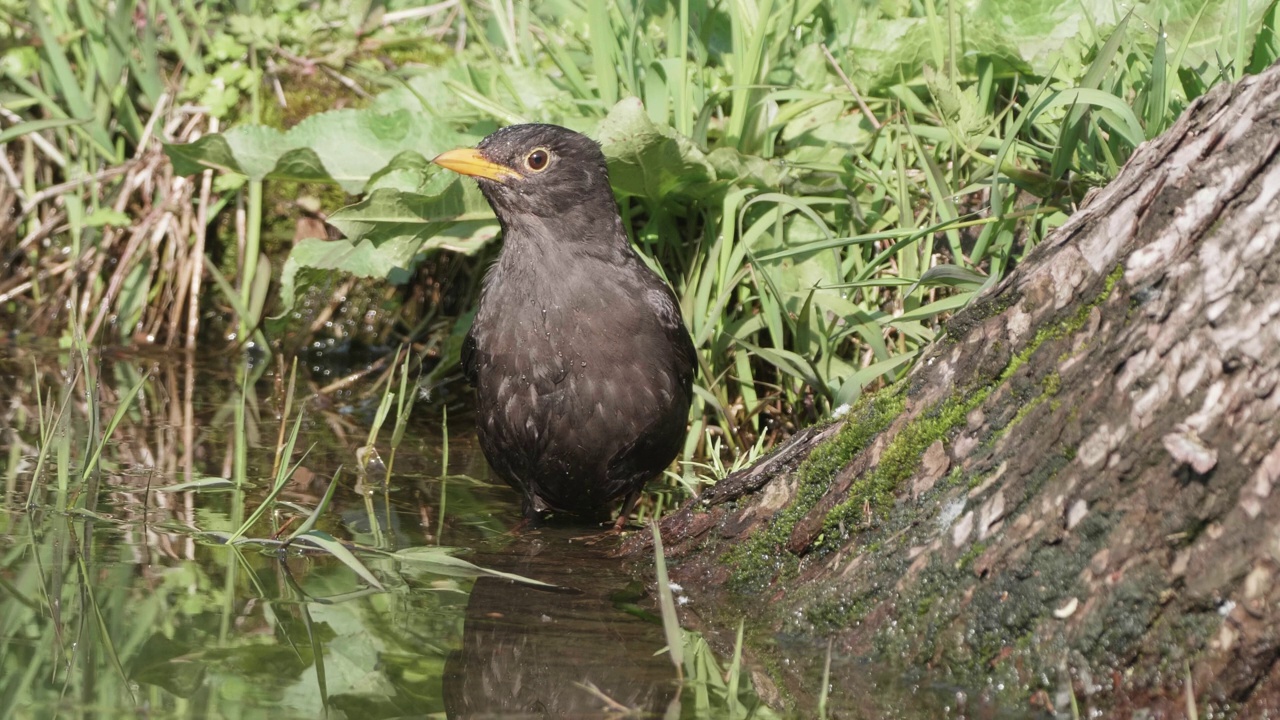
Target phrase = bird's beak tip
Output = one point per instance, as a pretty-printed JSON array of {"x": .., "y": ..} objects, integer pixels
[{"x": 469, "y": 161}]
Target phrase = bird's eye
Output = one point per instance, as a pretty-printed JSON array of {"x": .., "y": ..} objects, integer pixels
[{"x": 538, "y": 159}]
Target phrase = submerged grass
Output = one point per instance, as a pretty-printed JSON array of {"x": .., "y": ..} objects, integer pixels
[
  {"x": 718, "y": 691},
  {"x": 79, "y": 469}
]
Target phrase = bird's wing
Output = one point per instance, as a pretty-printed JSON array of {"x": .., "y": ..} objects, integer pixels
[
  {"x": 637, "y": 462},
  {"x": 663, "y": 301},
  {"x": 468, "y": 357}
]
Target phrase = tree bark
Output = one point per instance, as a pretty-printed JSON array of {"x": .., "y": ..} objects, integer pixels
[{"x": 1073, "y": 491}]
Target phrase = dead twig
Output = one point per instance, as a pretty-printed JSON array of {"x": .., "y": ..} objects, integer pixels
[
  {"x": 54, "y": 191},
  {"x": 849, "y": 84}
]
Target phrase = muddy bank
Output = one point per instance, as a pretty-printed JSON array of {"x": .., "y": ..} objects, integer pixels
[{"x": 1070, "y": 498}]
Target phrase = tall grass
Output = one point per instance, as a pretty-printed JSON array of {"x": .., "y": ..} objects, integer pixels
[
  {"x": 96, "y": 220},
  {"x": 92, "y": 215}
]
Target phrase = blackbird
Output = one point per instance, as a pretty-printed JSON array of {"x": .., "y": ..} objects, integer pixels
[{"x": 582, "y": 366}]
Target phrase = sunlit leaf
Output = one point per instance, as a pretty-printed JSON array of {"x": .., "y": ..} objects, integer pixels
[
  {"x": 346, "y": 147},
  {"x": 651, "y": 161},
  {"x": 387, "y": 231}
]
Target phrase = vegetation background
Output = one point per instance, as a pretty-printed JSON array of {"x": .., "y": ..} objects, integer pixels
[{"x": 822, "y": 182}]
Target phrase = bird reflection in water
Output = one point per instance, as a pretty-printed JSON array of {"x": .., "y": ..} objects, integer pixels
[{"x": 571, "y": 652}]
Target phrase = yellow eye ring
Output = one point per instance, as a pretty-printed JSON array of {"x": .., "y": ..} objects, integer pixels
[{"x": 538, "y": 160}]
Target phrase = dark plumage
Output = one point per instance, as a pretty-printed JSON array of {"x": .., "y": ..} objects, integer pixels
[{"x": 581, "y": 363}]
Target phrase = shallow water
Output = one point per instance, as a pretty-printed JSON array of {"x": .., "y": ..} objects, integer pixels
[{"x": 120, "y": 595}]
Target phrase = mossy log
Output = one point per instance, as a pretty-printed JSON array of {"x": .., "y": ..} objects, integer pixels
[{"x": 1072, "y": 496}]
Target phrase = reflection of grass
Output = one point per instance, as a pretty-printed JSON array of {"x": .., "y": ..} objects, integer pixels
[
  {"x": 119, "y": 588},
  {"x": 715, "y": 691},
  {"x": 826, "y": 683},
  {"x": 1188, "y": 687}
]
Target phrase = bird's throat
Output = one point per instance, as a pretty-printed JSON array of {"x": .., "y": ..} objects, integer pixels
[{"x": 557, "y": 247}]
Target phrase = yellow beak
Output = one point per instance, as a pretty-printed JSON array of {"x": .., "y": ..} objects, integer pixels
[{"x": 469, "y": 161}]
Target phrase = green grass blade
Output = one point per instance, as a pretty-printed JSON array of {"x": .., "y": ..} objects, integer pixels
[
  {"x": 282, "y": 478},
  {"x": 603, "y": 52},
  {"x": 68, "y": 85},
  {"x": 122, "y": 408},
  {"x": 1156, "y": 107},
  {"x": 323, "y": 505},
  {"x": 1073, "y": 125},
  {"x": 331, "y": 545},
  {"x": 666, "y": 602},
  {"x": 16, "y": 131}
]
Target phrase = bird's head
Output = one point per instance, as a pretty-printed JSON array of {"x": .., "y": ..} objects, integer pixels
[{"x": 535, "y": 169}]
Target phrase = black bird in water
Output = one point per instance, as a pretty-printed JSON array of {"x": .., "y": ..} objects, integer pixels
[{"x": 581, "y": 363}]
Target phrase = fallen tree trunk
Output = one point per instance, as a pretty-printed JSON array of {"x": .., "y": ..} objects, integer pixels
[{"x": 1072, "y": 493}]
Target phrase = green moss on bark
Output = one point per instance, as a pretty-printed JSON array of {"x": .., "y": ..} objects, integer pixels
[{"x": 763, "y": 555}]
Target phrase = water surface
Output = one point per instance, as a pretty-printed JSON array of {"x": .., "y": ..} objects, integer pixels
[
  {"x": 118, "y": 590},
  {"x": 125, "y": 476}
]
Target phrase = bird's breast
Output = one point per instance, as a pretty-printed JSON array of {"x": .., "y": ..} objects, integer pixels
[{"x": 591, "y": 352}]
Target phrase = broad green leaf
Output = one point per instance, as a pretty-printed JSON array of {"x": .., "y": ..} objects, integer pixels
[
  {"x": 745, "y": 170},
  {"x": 391, "y": 259},
  {"x": 1266, "y": 46},
  {"x": 346, "y": 147},
  {"x": 646, "y": 160},
  {"x": 411, "y": 173},
  {"x": 356, "y": 144},
  {"x": 388, "y": 230},
  {"x": 389, "y": 214},
  {"x": 252, "y": 150},
  {"x": 819, "y": 122}
]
